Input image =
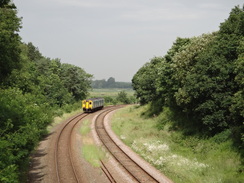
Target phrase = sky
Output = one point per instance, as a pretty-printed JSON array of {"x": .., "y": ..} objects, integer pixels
[{"x": 115, "y": 38}]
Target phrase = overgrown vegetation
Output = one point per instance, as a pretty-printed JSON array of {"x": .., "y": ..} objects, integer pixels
[
  {"x": 184, "y": 159},
  {"x": 33, "y": 90},
  {"x": 200, "y": 81}
]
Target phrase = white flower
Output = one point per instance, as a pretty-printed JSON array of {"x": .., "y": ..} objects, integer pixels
[{"x": 122, "y": 137}]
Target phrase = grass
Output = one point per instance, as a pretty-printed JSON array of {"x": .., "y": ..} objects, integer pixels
[
  {"x": 85, "y": 128},
  {"x": 91, "y": 152},
  {"x": 184, "y": 159}
]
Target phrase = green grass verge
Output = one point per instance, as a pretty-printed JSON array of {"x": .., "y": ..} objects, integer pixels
[
  {"x": 184, "y": 159},
  {"x": 93, "y": 154},
  {"x": 85, "y": 128}
]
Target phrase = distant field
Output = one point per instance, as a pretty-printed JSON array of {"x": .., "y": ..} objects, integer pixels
[{"x": 109, "y": 92}]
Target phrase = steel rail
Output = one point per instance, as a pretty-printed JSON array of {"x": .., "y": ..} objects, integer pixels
[
  {"x": 102, "y": 116},
  {"x": 77, "y": 118},
  {"x": 107, "y": 173}
]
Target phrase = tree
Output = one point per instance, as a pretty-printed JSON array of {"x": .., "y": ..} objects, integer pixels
[
  {"x": 53, "y": 89},
  {"x": 6, "y": 3},
  {"x": 122, "y": 97},
  {"x": 223, "y": 60},
  {"x": 76, "y": 80},
  {"x": 110, "y": 82},
  {"x": 99, "y": 83},
  {"x": 33, "y": 52},
  {"x": 191, "y": 83},
  {"x": 166, "y": 84},
  {"x": 144, "y": 81},
  {"x": 9, "y": 40},
  {"x": 23, "y": 121},
  {"x": 201, "y": 79}
]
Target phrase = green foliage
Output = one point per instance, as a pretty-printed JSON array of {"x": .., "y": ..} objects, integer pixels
[
  {"x": 93, "y": 154},
  {"x": 109, "y": 100},
  {"x": 76, "y": 80},
  {"x": 29, "y": 98},
  {"x": 177, "y": 46},
  {"x": 33, "y": 89},
  {"x": 23, "y": 120},
  {"x": 144, "y": 81},
  {"x": 123, "y": 98},
  {"x": 6, "y": 3},
  {"x": 9, "y": 40},
  {"x": 200, "y": 80},
  {"x": 33, "y": 52},
  {"x": 85, "y": 128},
  {"x": 110, "y": 82},
  {"x": 237, "y": 103},
  {"x": 59, "y": 84},
  {"x": 9, "y": 174}
]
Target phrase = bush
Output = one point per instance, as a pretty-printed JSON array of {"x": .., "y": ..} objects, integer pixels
[
  {"x": 23, "y": 121},
  {"x": 122, "y": 97}
]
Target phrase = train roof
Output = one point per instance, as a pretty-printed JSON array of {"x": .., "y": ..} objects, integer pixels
[{"x": 93, "y": 99}]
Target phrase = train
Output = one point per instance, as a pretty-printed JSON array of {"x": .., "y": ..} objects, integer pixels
[{"x": 92, "y": 104}]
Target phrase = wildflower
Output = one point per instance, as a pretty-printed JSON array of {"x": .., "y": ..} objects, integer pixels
[{"x": 122, "y": 137}]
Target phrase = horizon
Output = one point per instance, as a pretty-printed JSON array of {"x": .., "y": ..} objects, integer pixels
[{"x": 115, "y": 38}]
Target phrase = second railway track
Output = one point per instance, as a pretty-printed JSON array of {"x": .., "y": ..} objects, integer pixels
[{"x": 134, "y": 170}]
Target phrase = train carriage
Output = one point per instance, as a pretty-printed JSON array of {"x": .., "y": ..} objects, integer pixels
[{"x": 92, "y": 104}]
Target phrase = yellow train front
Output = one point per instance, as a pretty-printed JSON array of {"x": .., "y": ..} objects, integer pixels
[{"x": 92, "y": 104}]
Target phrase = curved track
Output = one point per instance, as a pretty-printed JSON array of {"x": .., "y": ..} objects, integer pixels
[
  {"x": 137, "y": 172},
  {"x": 63, "y": 153}
]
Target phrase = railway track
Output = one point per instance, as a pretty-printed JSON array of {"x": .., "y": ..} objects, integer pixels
[
  {"x": 63, "y": 148},
  {"x": 134, "y": 170},
  {"x": 66, "y": 167}
]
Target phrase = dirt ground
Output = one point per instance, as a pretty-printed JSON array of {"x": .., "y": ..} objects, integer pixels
[{"x": 42, "y": 168}]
